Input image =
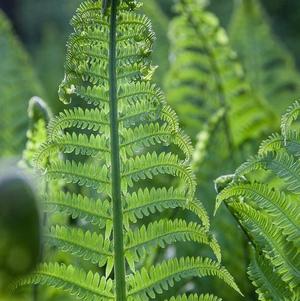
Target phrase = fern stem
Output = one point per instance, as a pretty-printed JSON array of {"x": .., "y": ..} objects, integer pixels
[
  {"x": 119, "y": 268},
  {"x": 221, "y": 96},
  {"x": 219, "y": 83}
]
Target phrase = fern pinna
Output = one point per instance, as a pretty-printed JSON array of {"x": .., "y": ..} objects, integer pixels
[
  {"x": 105, "y": 148},
  {"x": 264, "y": 197}
]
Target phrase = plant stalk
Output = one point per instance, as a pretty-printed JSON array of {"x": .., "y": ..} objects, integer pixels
[
  {"x": 219, "y": 84},
  {"x": 119, "y": 260}
]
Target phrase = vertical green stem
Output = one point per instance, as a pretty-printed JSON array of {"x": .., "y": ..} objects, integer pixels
[
  {"x": 119, "y": 260},
  {"x": 219, "y": 83},
  {"x": 221, "y": 97}
]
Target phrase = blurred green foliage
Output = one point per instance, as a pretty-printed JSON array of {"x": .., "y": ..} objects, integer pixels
[
  {"x": 270, "y": 68},
  {"x": 45, "y": 35},
  {"x": 19, "y": 226},
  {"x": 18, "y": 84}
]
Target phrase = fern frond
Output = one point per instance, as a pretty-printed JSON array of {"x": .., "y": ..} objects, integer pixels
[
  {"x": 284, "y": 210},
  {"x": 291, "y": 141},
  {"x": 273, "y": 143},
  {"x": 90, "y": 246},
  {"x": 147, "y": 284},
  {"x": 39, "y": 116},
  {"x": 86, "y": 286},
  {"x": 216, "y": 105},
  {"x": 82, "y": 174},
  {"x": 268, "y": 212},
  {"x": 145, "y": 202},
  {"x": 195, "y": 297},
  {"x": 152, "y": 134},
  {"x": 283, "y": 255},
  {"x": 202, "y": 60},
  {"x": 79, "y": 144},
  {"x": 105, "y": 153},
  {"x": 289, "y": 117},
  {"x": 270, "y": 285},
  {"x": 164, "y": 232},
  {"x": 282, "y": 164},
  {"x": 143, "y": 167},
  {"x": 97, "y": 212}
]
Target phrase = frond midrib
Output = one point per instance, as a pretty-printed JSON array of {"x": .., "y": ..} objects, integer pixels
[{"x": 118, "y": 235}]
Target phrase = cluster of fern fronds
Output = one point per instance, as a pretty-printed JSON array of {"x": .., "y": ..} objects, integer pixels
[
  {"x": 263, "y": 195},
  {"x": 122, "y": 217},
  {"x": 100, "y": 154}
]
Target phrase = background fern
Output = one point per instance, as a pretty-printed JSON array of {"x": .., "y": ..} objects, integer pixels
[
  {"x": 263, "y": 196},
  {"x": 103, "y": 148},
  {"x": 206, "y": 76},
  {"x": 208, "y": 88},
  {"x": 18, "y": 84}
]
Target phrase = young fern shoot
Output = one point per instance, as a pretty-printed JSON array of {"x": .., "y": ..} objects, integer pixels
[{"x": 116, "y": 139}]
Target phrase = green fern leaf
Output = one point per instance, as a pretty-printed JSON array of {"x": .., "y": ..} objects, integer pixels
[
  {"x": 205, "y": 76},
  {"x": 101, "y": 161},
  {"x": 267, "y": 208},
  {"x": 86, "y": 286},
  {"x": 270, "y": 286},
  {"x": 164, "y": 232},
  {"x": 159, "y": 278},
  {"x": 216, "y": 105},
  {"x": 284, "y": 210},
  {"x": 275, "y": 142},
  {"x": 282, "y": 164},
  {"x": 195, "y": 298},
  {"x": 97, "y": 212},
  {"x": 288, "y": 118},
  {"x": 144, "y": 202},
  {"x": 90, "y": 246},
  {"x": 284, "y": 256}
]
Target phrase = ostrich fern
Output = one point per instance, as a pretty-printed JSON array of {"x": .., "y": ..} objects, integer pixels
[
  {"x": 18, "y": 84},
  {"x": 206, "y": 75},
  {"x": 107, "y": 149},
  {"x": 207, "y": 86},
  {"x": 268, "y": 209}
]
